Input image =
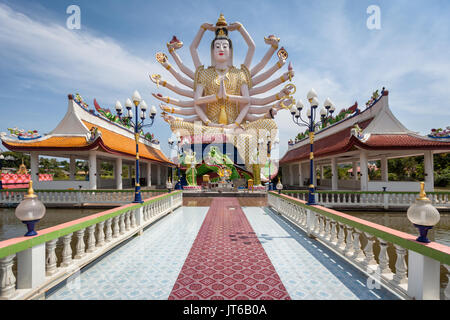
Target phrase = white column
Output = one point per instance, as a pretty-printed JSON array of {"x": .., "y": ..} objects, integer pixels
[
  {"x": 72, "y": 165},
  {"x": 149, "y": 174},
  {"x": 31, "y": 267},
  {"x": 384, "y": 169},
  {"x": 423, "y": 277},
  {"x": 158, "y": 177},
  {"x": 363, "y": 162},
  {"x": 92, "y": 170},
  {"x": 334, "y": 174},
  {"x": 34, "y": 166},
  {"x": 291, "y": 174},
  {"x": 118, "y": 173},
  {"x": 300, "y": 174},
  {"x": 429, "y": 170},
  {"x": 355, "y": 170}
]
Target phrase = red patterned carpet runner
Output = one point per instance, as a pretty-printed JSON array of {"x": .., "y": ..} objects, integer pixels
[{"x": 227, "y": 261}]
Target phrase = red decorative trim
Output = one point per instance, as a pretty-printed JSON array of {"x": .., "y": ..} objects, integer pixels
[{"x": 70, "y": 96}]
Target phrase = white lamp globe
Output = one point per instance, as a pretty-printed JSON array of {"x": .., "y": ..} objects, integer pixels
[
  {"x": 311, "y": 94},
  {"x": 136, "y": 97}
]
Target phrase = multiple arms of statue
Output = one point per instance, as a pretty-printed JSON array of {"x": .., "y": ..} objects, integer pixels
[
  {"x": 174, "y": 88},
  {"x": 187, "y": 82},
  {"x": 273, "y": 42},
  {"x": 272, "y": 84},
  {"x": 178, "y": 61},
  {"x": 183, "y": 111},
  {"x": 280, "y": 95},
  {"x": 196, "y": 42},
  {"x": 251, "y": 44},
  {"x": 264, "y": 76}
]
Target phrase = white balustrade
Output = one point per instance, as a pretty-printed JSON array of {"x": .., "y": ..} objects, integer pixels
[
  {"x": 347, "y": 240},
  {"x": 111, "y": 231}
]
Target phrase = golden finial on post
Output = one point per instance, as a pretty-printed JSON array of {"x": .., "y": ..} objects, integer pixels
[
  {"x": 221, "y": 22},
  {"x": 30, "y": 193},
  {"x": 422, "y": 195}
]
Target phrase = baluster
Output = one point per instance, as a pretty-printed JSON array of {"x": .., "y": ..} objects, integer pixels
[
  {"x": 368, "y": 251},
  {"x": 341, "y": 238},
  {"x": 122, "y": 223},
  {"x": 348, "y": 251},
  {"x": 358, "y": 254},
  {"x": 7, "y": 278},
  {"x": 383, "y": 266},
  {"x": 447, "y": 289},
  {"x": 133, "y": 218},
  {"x": 67, "y": 250},
  {"x": 333, "y": 235},
  {"x": 100, "y": 234},
  {"x": 80, "y": 244},
  {"x": 400, "y": 276},
  {"x": 321, "y": 231},
  {"x": 327, "y": 234},
  {"x": 116, "y": 229},
  {"x": 91, "y": 238},
  {"x": 127, "y": 220},
  {"x": 50, "y": 258},
  {"x": 108, "y": 233}
]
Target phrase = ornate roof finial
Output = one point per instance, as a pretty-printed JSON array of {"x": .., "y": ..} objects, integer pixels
[{"x": 221, "y": 22}]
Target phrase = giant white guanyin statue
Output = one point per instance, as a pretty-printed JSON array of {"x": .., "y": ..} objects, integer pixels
[{"x": 224, "y": 99}]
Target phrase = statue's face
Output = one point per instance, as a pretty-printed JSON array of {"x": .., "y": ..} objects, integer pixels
[{"x": 221, "y": 50}]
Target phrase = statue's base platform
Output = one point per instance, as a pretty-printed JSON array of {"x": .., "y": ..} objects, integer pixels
[{"x": 239, "y": 194}]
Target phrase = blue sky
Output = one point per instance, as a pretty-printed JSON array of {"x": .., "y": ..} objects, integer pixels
[{"x": 328, "y": 42}]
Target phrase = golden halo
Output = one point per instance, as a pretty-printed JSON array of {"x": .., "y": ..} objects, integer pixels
[{"x": 289, "y": 106}]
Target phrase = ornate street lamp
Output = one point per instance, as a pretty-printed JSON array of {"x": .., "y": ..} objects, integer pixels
[
  {"x": 178, "y": 147},
  {"x": 279, "y": 186},
  {"x": 312, "y": 125},
  {"x": 138, "y": 125},
  {"x": 423, "y": 215},
  {"x": 30, "y": 210},
  {"x": 269, "y": 147}
]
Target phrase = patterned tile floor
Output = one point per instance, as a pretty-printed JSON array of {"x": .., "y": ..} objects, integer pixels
[
  {"x": 227, "y": 261},
  {"x": 148, "y": 266},
  {"x": 144, "y": 268},
  {"x": 308, "y": 270}
]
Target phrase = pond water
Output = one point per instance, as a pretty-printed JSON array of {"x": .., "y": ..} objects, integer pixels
[
  {"x": 399, "y": 221},
  {"x": 11, "y": 227}
]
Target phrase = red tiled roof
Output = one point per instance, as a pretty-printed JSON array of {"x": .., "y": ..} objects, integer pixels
[
  {"x": 335, "y": 143},
  {"x": 343, "y": 141},
  {"x": 401, "y": 141}
]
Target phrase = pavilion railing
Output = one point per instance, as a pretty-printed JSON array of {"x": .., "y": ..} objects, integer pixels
[
  {"x": 30, "y": 266},
  {"x": 366, "y": 245},
  {"x": 74, "y": 197},
  {"x": 374, "y": 199}
]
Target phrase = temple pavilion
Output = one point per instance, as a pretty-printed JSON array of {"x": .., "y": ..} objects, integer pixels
[
  {"x": 362, "y": 136},
  {"x": 84, "y": 134}
]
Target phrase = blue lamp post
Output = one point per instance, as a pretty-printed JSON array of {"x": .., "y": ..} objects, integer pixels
[
  {"x": 138, "y": 125},
  {"x": 269, "y": 147},
  {"x": 178, "y": 147},
  {"x": 312, "y": 124},
  {"x": 2, "y": 157}
]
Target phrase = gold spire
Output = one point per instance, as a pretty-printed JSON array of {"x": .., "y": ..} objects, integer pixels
[
  {"x": 221, "y": 22},
  {"x": 30, "y": 191},
  {"x": 422, "y": 195}
]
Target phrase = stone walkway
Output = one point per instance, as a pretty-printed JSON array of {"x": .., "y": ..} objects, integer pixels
[{"x": 222, "y": 252}]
